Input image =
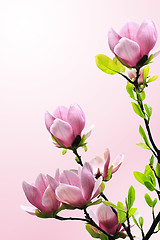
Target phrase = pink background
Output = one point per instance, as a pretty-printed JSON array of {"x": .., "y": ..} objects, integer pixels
[{"x": 47, "y": 51}]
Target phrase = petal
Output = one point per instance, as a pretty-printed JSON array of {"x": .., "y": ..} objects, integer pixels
[
  {"x": 70, "y": 195},
  {"x": 76, "y": 119},
  {"x": 132, "y": 74},
  {"x": 70, "y": 178},
  {"x": 61, "y": 113},
  {"x": 128, "y": 51},
  {"x": 33, "y": 195},
  {"x": 117, "y": 162},
  {"x": 156, "y": 53},
  {"x": 63, "y": 131},
  {"x": 87, "y": 181},
  {"x": 30, "y": 210},
  {"x": 113, "y": 39},
  {"x": 106, "y": 165},
  {"x": 57, "y": 174},
  {"x": 147, "y": 36},
  {"x": 53, "y": 183},
  {"x": 50, "y": 201},
  {"x": 89, "y": 131},
  {"x": 129, "y": 30},
  {"x": 48, "y": 120},
  {"x": 97, "y": 188},
  {"x": 96, "y": 163},
  {"x": 41, "y": 183}
]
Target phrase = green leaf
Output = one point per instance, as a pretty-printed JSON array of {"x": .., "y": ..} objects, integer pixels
[
  {"x": 83, "y": 139},
  {"x": 159, "y": 226},
  {"x": 141, "y": 221},
  {"x": 85, "y": 148},
  {"x": 42, "y": 215},
  {"x": 121, "y": 213},
  {"x": 131, "y": 197},
  {"x": 135, "y": 221},
  {"x": 109, "y": 173},
  {"x": 129, "y": 88},
  {"x": 94, "y": 203},
  {"x": 137, "y": 110},
  {"x": 131, "y": 212},
  {"x": 153, "y": 78},
  {"x": 150, "y": 175},
  {"x": 107, "y": 203},
  {"x": 145, "y": 72},
  {"x": 143, "y": 95},
  {"x": 154, "y": 202},
  {"x": 91, "y": 231},
  {"x": 121, "y": 235},
  {"x": 102, "y": 186},
  {"x": 119, "y": 65},
  {"x": 103, "y": 236},
  {"x": 148, "y": 200},
  {"x": 149, "y": 185},
  {"x": 64, "y": 151},
  {"x": 149, "y": 60},
  {"x": 143, "y": 135},
  {"x": 157, "y": 169},
  {"x": 148, "y": 110},
  {"x": 151, "y": 160},
  {"x": 143, "y": 145},
  {"x": 107, "y": 65},
  {"x": 140, "y": 177}
]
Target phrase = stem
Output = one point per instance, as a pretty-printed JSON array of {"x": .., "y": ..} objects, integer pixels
[
  {"x": 70, "y": 218},
  {"x": 152, "y": 228},
  {"x": 78, "y": 156}
]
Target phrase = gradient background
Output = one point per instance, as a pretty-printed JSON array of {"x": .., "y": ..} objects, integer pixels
[{"x": 47, "y": 51}]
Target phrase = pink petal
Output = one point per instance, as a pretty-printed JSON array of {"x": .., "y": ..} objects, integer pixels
[
  {"x": 147, "y": 36},
  {"x": 117, "y": 162},
  {"x": 49, "y": 200},
  {"x": 96, "y": 163},
  {"x": 156, "y": 53},
  {"x": 61, "y": 113},
  {"x": 89, "y": 131},
  {"x": 132, "y": 74},
  {"x": 29, "y": 210},
  {"x": 48, "y": 120},
  {"x": 97, "y": 188},
  {"x": 33, "y": 195},
  {"x": 57, "y": 174},
  {"x": 63, "y": 131},
  {"x": 128, "y": 51},
  {"x": 129, "y": 30},
  {"x": 53, "y": 183},
  {"x": 106, "y": 165},
  {"x": 41, "y": 183},
  {"x": 70, "y": 195},
  {"x": 70, "y": 178},
  {"x": 76, "y": 119},
  {"x": 87, "y": 181},
  {"x": 113, "y": 39}
]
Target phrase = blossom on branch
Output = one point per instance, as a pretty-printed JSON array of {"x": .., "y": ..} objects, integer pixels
[
  {"x": 77, "y": 188},
  {"x": 134, "y": 42}
]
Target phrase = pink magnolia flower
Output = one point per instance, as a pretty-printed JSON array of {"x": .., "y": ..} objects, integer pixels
[
  {"x": 132, "y": 75},
  {"x": 66, "y": 124},
  {"x": 78, "y": 188},
  {"x": 41, "y": 195},
  {"x": 101, "y": 167},
  {"x": 133, "y": 42},
  {"x": 106, "y": 219}
]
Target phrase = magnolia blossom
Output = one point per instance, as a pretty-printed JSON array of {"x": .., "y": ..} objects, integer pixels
[
  {"x": 41, "y": 195},
  {"x": 133, "y": 42},
  {"x": 76, "y": 188},
  {"x": 101, "y": 167},
  {"x": 66, "y": 124}
]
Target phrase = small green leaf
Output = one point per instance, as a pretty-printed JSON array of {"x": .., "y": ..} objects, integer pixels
[
  {"x": 142, "y": 145},
  {"x": 42, "y": 215},
  {"x": 64, "y": 151},
  {"x": 151, "y": 160},
  {"x": 131, "y": 212},
  {"x": 148, "y": 110},
  {"x": 135, "y": 221},
  {"x": 109, "y": 173},
  {"x": 129, "y": 88},
  {"x": 149, "y": 185},
  {"x": 119, "y": 65},
  {"x": 92, "y": 232},
  {"x": 143, "y": 95},
  {"x": 103, "y": 236},
  {"x": 85, "y": 148},
  {"x": 154, "y": 202},
  {"x": 153, "y": 78},
  {"x": 121, "y": 213},
  {"x": 140, "y": 177},
  {"x": 102, "y": 186},
  {"x": 159, "y": 226},
  {"x": 157, "y": 169},
  {"x": 121, "y": 235},
  {"x": 148, "y": 200},
  {"x": 94, "y": 203},
  {"x": 131, "y": 197},
  {"x": 145, "y": 72},
  {"x": 141, "y": 221},
  {"x": 107, "y": 65},
  {"x": 143, "y": 135},
  {"x": 150, "y": 175},
  {"x": 149, "y": 60},
  {"x": 137, "y": 110},
  {"x": 83, "y": 139},
  {"x": 107, "y": 203}
]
